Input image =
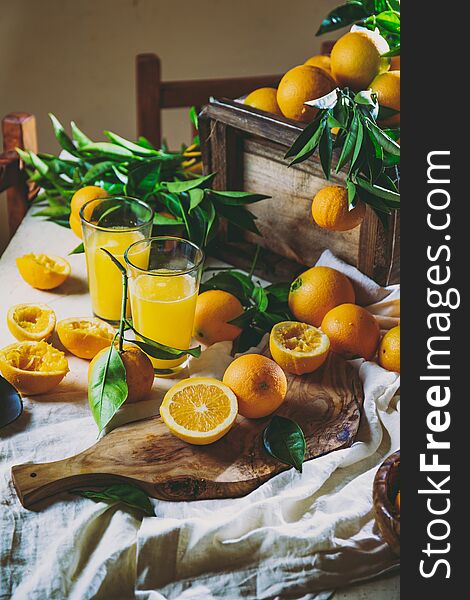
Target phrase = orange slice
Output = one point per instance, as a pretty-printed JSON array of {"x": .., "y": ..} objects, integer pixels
[
  {"x": 199, "y": 410},
  {"x": 33, "y": 367},
  {"x": 298, "y": 347},
  {"x": 31, "y": 322},
  {"x": 42, "y": 271},
  {"x": 85, "y": 336}
]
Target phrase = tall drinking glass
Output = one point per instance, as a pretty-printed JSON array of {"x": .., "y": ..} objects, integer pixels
[
  {"x": 113, "y": 223},
  {"x": 163, "y": 293}
]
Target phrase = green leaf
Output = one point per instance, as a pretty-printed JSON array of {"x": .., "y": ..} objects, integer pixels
[
  {"x": 325, "y": 150},
  {"x": 333, "y": 122},
  {"x": 184, "y": 186},
  {"x": 121, "y": 492},
  {"x": 193, "y": 117},
  {"x": 366, "y": 98},
  {"x": 245, "y": 318},
  {"x": 387, "y": 143},
  {"x": 196, "y": 196},
  {"x": 358, "y": 144},
  {"x": 379, "y": 191},
  {"x": 63, "y": 139},
  {"x": 80, "y": 138},
  {"x": 80, "y": 249},
  {"x": 145, "y": 143},
  {"x": 144, "y": 178},
  {"x": 284, "y": 440},
  {"x": 238, "y": 198},
  {"x": 388, "y": 20},
  {"x": 62, "y": 222},
  {"x": 131, "y": 146},
  {"x": 260, "y": 298},
  {"x": 159, "y": 219},
  {"x": 53, "y": 211},
  {"x": 310, "y": 146},
  {"x": 106, "y": 149},
  {"x": 342, "y": 16},
  {"x": 304, "y": 136},
  {"x": 236, "y": 283},
  {"x": 351, "y": 194},
  {"x": 107, "y": 389},
  {"x": 96, "y": 171},
  {"x": 239, "y": 216},
  {"x": 349, "y": 143},
  {"x": 279, "y": 290},
  {"x": 209, "y": 216},
  {"x": 161, "y": 351}
]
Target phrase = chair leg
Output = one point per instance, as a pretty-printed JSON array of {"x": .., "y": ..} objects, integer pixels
[
  {"x": 19, "y": 131},
  {"x": 148, "y": 79}
]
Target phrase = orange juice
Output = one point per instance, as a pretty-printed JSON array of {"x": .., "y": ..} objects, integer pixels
[
  {"x": 163, "y": 309},
  {"x": 104, "y": 278}
]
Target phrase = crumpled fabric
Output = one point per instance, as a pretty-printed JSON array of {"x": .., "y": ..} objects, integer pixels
[{"x": 297, "y": 536}]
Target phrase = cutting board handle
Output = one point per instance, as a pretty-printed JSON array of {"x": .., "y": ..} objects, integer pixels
[{"x": 35, "y": 482}]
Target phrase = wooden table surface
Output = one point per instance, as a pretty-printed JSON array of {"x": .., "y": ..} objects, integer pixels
[{"x": 384, "y": 588}]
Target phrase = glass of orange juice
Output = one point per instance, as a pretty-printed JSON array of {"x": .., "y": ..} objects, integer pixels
[
  {"x": 163, "y": 293},
  {"x": 113, "y": 223}
]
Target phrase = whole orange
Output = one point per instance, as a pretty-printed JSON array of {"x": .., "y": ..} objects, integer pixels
[
  {"x": 214, "y": 309},
  {"x": 330, "y": 209},
  {"x": 387, "y": 88},
  {"x": 353, "y": 331},
  {"x": 389, "y": 350},
  {"x": 264, "y": 99},
  {"x": 139, "y": 371},
  {"x": 299, "y": 85},
  {"x": 320, "y": 60},
  {"x": 259, "y": 384},
  {"x": 356, "y": 59},
  {"x": 317, "y": 291},
  {"x": 81, "y": 197}
]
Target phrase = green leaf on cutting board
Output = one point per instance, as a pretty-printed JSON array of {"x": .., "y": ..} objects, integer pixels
[
  {"x": 121, "y": 492},
  {"x": 284, "y": 440}
]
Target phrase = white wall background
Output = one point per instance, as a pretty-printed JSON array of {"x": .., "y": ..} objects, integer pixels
[{"x": 75, "y": 58}]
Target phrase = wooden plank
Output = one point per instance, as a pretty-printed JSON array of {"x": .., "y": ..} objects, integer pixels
[
  {"x": 9, "y": 168},
  {"x": 379, "y": 253},
  {"x": 19, "y": 131},
  {"x": 180, "y": 94},
  {"x": 253, "y": 121},
  {"x": 148, "y": 87}
]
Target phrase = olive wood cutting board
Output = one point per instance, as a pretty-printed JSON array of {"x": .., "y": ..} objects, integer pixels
[{"x": 326, "y": 404}]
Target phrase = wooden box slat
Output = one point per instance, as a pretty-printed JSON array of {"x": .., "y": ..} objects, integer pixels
[{"x": 246, "y": 148}]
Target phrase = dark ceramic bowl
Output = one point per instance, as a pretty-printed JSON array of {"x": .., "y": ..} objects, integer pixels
[{"x": 386, "y": 487}]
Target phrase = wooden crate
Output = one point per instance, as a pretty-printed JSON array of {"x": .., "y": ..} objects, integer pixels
[{"x": 246, "y": 148}]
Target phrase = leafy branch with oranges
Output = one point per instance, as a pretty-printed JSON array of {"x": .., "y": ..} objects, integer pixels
[{"x": 369, "y": 153}]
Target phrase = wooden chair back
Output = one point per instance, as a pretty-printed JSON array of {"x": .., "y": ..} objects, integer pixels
[
  {"x": 154, "y": 94},
  {"x": 19, "y": 131}
]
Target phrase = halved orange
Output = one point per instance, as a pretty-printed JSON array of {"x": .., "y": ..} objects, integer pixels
[
  {"x": 199, "y": 410},
  {"x": 42, "y": 271},
  {"x": 85, "y": 336},
  {"x": 33, "y": 367},
  {"x": 31, "y": 322},
  {"x": 298, "y": 347}
]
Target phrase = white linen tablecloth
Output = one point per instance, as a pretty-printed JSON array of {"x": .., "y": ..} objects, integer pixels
[{"x": 297, "y": 536}]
